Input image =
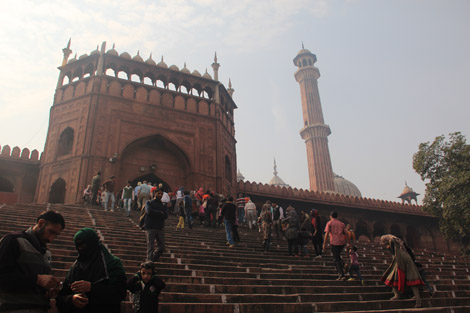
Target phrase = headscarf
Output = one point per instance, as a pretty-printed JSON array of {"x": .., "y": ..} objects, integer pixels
[
  {"x": 390, "y": 239},
  {"x": 94, "y": 263}
]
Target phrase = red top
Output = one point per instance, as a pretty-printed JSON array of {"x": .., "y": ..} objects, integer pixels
[{"x": 337, "y": 232}]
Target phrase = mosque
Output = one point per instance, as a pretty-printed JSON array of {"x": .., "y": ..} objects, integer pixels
[{"x": 137, "y": 119}]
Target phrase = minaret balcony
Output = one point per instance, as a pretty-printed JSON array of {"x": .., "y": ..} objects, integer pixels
[{"x": 315, "y": 130}]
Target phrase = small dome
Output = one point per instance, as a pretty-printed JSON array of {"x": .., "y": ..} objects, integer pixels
[
  {"x": 138, "y": 58},
  {"x": 150, "y": 60},
  {"x": 303, "y": 50},
  {"x": 83, "y": 56},
  {"x": 125, "y": 55},
  {"x": 72, "y": 59},
  {"x": 162, "y": 64},
  {"x": 240, "y": 176},
  {"x": 174, "y": 68},
  {"x": 185, "y": 69},
  {"x": 196, "y": 73},
  {"x": 96, "y": 51},
  {"x": 112, "y": 51},
  {"x": 276, "y": 180},
  {"x": 207, "y": 75},
  {"x": 345, "y": 187}
]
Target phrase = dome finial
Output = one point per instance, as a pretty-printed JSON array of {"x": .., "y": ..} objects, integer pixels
[
  {"x": 303, "y": 45},
  {"x": 68, "y": 44},
  {"x": 275, "y": 168},
  {"x": 215, "y": 57},
  {"x": 114, "y": 45}
]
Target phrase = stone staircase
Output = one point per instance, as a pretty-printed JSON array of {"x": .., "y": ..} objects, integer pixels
[{"x": 204, "y": 275}]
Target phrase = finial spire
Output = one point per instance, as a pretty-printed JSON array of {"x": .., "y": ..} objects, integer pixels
[
  {"x": 215, "y": 67},
  {"x": 230, "y": 90},
  {"x": 275, "y": 167},
  {"x": 66, "y": 51},
  {"x": 303, "y": 45},
  {"x": 114, "y": 45}
]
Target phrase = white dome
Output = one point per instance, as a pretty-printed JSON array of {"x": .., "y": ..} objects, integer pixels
[{"x": 345, "y": 187}]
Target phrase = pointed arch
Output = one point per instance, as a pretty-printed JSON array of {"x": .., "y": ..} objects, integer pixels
[{"x": 65, "y": 144}]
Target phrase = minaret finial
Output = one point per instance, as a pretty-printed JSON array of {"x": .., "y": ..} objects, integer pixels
[
  {"x": 230, "y": 90},
  {"x": 215, "y": 67},
  {"x": 66, "y": 52}
]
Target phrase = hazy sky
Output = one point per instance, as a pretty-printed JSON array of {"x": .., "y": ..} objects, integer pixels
[{"x": 393, "y": 73}]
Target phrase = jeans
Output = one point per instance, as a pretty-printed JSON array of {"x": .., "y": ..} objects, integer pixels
[
  {"x": 109, "y": 196},
  {"x": 336, "y": 250},
  {"x": 354, "y": 268},
  {"x": 127, "y": 206},
  {"x": 228, "y": 230},
  {"x": 241, "y": 215},
  {"x": 159, "y": 236}
]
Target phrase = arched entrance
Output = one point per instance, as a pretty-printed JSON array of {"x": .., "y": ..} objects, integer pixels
[
  {"x": 158, "y": 160},
  {"x": 395, "y": 230},
  {"x": 361, "y": 230},
  {"x": 153, "y": 179},
  {"x": 57, "y": 193},
  {"x": 6, "y": 185}
]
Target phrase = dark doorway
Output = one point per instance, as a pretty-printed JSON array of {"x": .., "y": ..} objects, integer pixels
[
  {"x": 5, "y": 185},
  {"x": 154, "y": 179},
  {"x": 57, "y": 193},
  {"x": 395, "y": 230}
]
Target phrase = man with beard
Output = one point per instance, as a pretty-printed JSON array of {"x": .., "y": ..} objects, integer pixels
[{"x": 25, "y": 266}]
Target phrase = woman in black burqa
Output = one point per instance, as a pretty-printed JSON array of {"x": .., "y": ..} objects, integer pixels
[{"x": 96, "y": 282}]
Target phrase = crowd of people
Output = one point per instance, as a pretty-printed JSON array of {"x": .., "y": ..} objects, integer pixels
[{"x": 96, "y": 282}]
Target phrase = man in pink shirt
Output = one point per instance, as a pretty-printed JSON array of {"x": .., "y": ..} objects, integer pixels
[{"x": 336, "y": 230}]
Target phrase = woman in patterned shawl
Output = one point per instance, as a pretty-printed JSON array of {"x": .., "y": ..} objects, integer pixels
[{"x": 402, "y": 272}]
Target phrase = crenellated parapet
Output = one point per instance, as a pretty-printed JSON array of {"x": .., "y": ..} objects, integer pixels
[
  {"x": 147, "y": 82},
  {"x": 17, "y": 154},
  {"x": 290, "y": 193}
]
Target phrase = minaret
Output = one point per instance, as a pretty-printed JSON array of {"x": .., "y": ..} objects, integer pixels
[
  {"x": 66, "y": 52},
  {"x": 215, "y": 67},
  {"x": 230, "y": 90},
  {"x": 314, "y": 132}
]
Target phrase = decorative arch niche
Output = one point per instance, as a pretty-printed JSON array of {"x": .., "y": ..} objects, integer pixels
[
  {"x": 228, "y": 169},
  {"x": 6, "y": 185},
  {"x": 57, "y": 192},
  {"x": 65, "y": 142}
]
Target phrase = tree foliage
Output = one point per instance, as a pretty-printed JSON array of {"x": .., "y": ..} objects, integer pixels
[{"x": 445, "y": 166}]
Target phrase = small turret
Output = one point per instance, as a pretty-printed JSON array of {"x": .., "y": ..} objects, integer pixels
[
  {"x": 230, "y": 90},
  {"x": 67, "y": 51},
  {"x": 215, "y": 67}
]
